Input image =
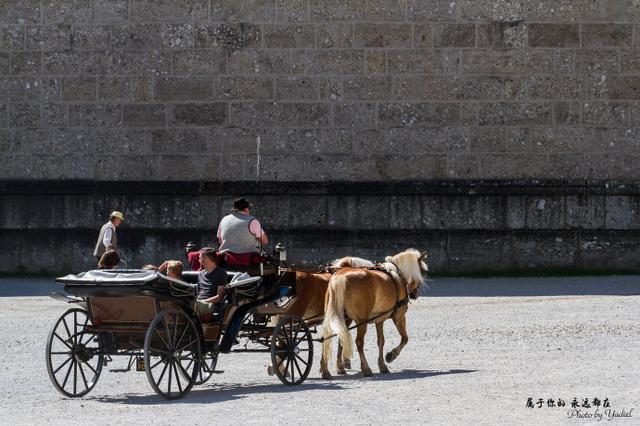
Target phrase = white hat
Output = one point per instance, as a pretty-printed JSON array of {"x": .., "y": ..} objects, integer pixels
[{"x": 116, "y": 214}]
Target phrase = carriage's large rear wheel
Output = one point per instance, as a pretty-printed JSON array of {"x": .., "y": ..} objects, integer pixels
[
  {"x": 73, "y": 357},
  {"x": 291, "y": 350},
  {"x": 172, "y": 354}
]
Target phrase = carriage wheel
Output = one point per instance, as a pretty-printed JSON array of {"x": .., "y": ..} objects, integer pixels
[
  {"x": 73, "y": 357},
  {"x": 291, "y": 350},
  {"x": 172, "y": 354},
  {"x": 207, "y": 367}
]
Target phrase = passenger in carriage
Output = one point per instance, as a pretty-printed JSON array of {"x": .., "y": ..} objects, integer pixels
[
  {"x": 172, "y": 268},
  {"x": 241, "y": 236},
  {"x": 211, "y": 283},
  {"x": 110, "y": 259}
]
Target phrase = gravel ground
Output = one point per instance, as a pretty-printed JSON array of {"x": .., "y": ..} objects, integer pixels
[{"x": 478, "y": 349}]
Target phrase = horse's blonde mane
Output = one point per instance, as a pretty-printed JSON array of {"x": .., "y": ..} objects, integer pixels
[
  {"x": 409, "y": 264},
  {"x": 349, "y": 261}
]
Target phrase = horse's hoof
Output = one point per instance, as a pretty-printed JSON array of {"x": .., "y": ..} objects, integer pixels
[
  {"x": 367, "y": 372},
  {"x": 342, "y": 371},
  {"x": 347, "y": 364},
  {"x": 384, "y": 370},
  {"x": 326, "y": 375},
  {"x": 389, "y": 357}
]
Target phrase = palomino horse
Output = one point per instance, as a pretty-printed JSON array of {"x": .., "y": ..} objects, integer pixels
[
  {"x": 310, "y": 293},
  {"x": 371, "y": 295}
]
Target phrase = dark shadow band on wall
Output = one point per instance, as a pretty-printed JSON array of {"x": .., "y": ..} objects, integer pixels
[
  {"x": 487, "y": 225},
  {"x": 429, "y": 187}
]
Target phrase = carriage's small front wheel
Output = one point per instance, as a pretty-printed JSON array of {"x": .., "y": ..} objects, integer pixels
[
  {"x": 172, "y": 354},
  {"x": 73, "y": 356},
  {"x": 291, "y": 350},
  {"x": 208, "y": 364}
]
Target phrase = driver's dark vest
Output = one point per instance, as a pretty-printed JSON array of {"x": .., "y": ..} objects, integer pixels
[{"x": 236, "y": 236}]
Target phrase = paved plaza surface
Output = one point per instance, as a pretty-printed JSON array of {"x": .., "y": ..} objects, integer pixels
[{"x": 478, "y": 349}]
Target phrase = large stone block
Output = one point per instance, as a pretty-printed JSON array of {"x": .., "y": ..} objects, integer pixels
[
  {"x": 133, "y": 62},
  {"x": 292, "y": 10},
  {"x": 382, "y": 35},
  {"x": 515, "y": 113},
  {"x": 12, "y": 37},
  {"x": 424, "y": 114},
  {"x": 79, "y": 89},
  {"x": 168, "y": 10},
  {"x": 198, "y": 62},
  {"x": 416, "y": 61},
  {"x": 198, "y": 114},
  {"x": 355, "y": 10},
  {"x": 25, "y": 63},
  {"x": 544, "y": 250},
  {"x": 51, "y": 37},
  {"x": 330, "y": 61},
  {"x": 24, "y": 115},
  {"x": 609, "y": 34},
  {"x": 335, "y": 35},
  {"x": 76, "y": 12},
  {"x": 296, "y": 88},
  {"x": 243, "y": 88},
  {"x": 70, "y": 63},
  {"x": 99, "y": 115},
  {"x": 367, "y": 88},
  {"x": 454, "y": 35},
  {"x": 622, "y": 212},
  {"x": 242, "y": 11},
  {"x": 286, "y": 35},
  {"x": 4, "y": 109},
  {"x": 609, "y": 250},
  {"x": 255, "y": 61},
  {"x": 566, "y": 113},
  {"x": 300, "y": 142},
  {"x": 554, "y": 35},
  {"x": 434, "y": 10},
  {"x": 560, "y": 87},
  {"x": 179, "y": 141},
  {"x": 20, "y": 11},
  {"x": 144, "y": 115},
  {"x": 5, "y": 61},
  {"x": 93, "y": 37},
  {"x": 183, "y": 89},
  {"x": 152, "y": 36},
  {"x": 605, "y": 113},
  {"x": 463, "y": 212},
  {"x": 478, "y": 251},
  {"x": 231, "y": 37},
  {"x": 507, "y": 62},
  {"x": 274, "y": 114},
  {"x": 502, "y": 35},
  {"x": 110, "y": 11},
  {"x": 545, "y": 213},
  {"x": 359, "y": 115},
  {"x": 585, "y": 212}
]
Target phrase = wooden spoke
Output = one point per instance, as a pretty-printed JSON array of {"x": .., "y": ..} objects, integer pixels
[
  {"x": 84, "y": 379},
  {"x": 62, "y": 365}
]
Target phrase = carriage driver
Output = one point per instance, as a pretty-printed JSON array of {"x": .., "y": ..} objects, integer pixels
[
  {"x": 211, "y": 282},
  {"x": 241, "y": 236},
  {"x": 107, "y": 238}
]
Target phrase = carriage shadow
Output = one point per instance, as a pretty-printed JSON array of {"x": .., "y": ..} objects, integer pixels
[
  {"x": 407, "y": 374},
  {"x": 206, "y": 394}
]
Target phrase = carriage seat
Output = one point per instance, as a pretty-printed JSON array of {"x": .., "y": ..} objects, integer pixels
[{"x": 191, "y": 277}]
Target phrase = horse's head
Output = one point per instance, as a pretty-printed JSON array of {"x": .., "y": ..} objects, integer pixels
[{"x": 413, "y": 267}]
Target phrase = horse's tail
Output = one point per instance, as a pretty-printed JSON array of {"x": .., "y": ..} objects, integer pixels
[{"x": 334, "y": 317}]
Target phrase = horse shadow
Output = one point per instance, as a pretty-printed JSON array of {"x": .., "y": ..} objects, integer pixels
[
  {"x": 407, "y": 374},
  {"x": 213, "y": 393}
]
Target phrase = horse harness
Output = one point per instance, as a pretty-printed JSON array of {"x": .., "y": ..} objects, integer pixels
[{"x": 399, "y": 302}]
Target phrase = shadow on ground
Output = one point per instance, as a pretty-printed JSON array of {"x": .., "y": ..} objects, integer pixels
[
  {"x": 524, "y": 287},
  {"x": 212, "y": 393}
]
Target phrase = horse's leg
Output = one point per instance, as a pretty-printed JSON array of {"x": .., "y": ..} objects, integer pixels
[
  {"x": 364, "y": 366},
  {"x": 380, "y": 331},
  {"x": 341, "y": 364},
  {"x": 324, "y": 359},
  {"x": 347, "y": 362},
  {"x": 400, "y": 321}
]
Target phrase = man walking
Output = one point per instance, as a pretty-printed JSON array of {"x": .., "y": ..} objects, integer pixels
[{"x": 107, "y": 238}]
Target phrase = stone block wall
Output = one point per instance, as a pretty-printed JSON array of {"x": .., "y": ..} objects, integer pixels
[{"x": 539, "y": 98}]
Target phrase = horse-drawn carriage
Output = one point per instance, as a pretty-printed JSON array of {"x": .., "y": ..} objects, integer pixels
[{"x": 150, "y": 318}]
